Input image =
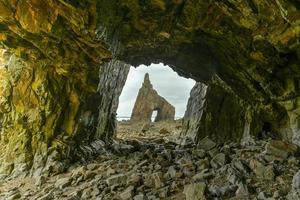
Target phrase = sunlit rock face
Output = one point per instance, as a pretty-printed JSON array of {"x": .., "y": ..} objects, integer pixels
[
  {"x": 147, "y": 101},
  {"x": 251, "y": 46}
]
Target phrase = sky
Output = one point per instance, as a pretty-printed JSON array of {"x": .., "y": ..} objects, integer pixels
[{"x": 168, "y": 84}]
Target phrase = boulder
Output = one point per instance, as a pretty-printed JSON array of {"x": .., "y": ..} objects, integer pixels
[
  {"x": 118, "y": 179},
  {"x": 218, "y": 161},
  {"x": 206, "y": 144},
  {"x": 195, "y": 191},
  {"x": 127, "y": 193},
  {"x": 281, "y": 149}
]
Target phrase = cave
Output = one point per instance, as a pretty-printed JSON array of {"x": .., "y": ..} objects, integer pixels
[{"x": 63, "y": 65}]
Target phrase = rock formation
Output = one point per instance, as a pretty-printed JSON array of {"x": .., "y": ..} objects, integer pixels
[
  {"x": 148, "y": 101},
  {"x": 194, "y": 110},
  {"x": 246, "y": 52},
  {"x": 37, "y": 132}
]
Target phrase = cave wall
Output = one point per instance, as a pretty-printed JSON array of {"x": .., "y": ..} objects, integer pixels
[
  {"x": 252, "y": 46},
  {"x": 45, "y": 116},
  {"x": 194, "y": 110},
  {"x": 216, "y": 111}
]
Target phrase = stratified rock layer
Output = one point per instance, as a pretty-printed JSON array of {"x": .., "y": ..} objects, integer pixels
[
  {"x": 148, "y": 101},
  {"x": 194, "y": 110}
]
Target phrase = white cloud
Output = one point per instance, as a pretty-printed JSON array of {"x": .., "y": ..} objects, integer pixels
[{"x": 167, "y": 83}]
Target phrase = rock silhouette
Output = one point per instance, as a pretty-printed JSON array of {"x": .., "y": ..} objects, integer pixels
[{"x": 148, "y": 100}]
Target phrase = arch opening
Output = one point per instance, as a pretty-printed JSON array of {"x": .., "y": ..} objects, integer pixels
[{"x": 154, "y": 115}]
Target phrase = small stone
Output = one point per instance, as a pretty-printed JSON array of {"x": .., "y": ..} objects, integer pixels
[
  {"x": 146, "y": 127},
  {"x": 195, "y": 191},
  {"x": 261, "y": 171},
  {"x": 222, "y": 191},
  {"x": 261, "y": 196},
  {"x": 139, "y": 197},
  {"x": 281, "y": 149},
  {"x": 154, "y": 180},
  {"x": 119, "y": 179},
  {"x": 171, "y": 173},
  {"x": 48, "y": 196},
  {"x": 92, "y": 166},
  {"x": 13, "y": 194},
  {"x": 135, "y": 180},
  {"x": 110, "y": 171},
  {"x": 164, "y": 131},
  {"x": 202, "y": 164},
  {"x": 213, "y": 152},
  {"x": 206, "y": 144},
  {"x": 205, "y": 174},
  {"x": 127, "y": 193},
  {"x": 163, "y": 192},
  {"x": 218, "y": 161},
  {"x": 296, "y": 181},
  {"x": 62, "y": 183},
  {"x": 242, "y": 191},
  {"x": 199, "y": 153},
  {"x": 74, "y": 196}
]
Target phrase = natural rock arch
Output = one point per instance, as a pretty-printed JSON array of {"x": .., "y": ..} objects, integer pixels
[{"x": 148, "y": 100}]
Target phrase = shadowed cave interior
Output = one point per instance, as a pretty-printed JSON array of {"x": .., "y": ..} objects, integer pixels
[{"x": 63, "y": 66}]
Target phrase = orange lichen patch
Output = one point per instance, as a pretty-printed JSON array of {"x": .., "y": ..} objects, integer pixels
[
  {"x": 2, "y": 37},
  {"x": 36, "y": 15}
]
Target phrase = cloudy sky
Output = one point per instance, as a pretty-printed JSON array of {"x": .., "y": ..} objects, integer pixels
[{"x": 167, "y": 83}]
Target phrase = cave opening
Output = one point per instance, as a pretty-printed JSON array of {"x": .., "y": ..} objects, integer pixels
[{"x": 153, "y": 96}]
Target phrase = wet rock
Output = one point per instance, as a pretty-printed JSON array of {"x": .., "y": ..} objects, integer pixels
[
  {"x": 119, "y": 179},
  {"x": 195, "y": 191},
  {"x": 206, "y": 144},
  {"x": 281, "y": 149}
]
